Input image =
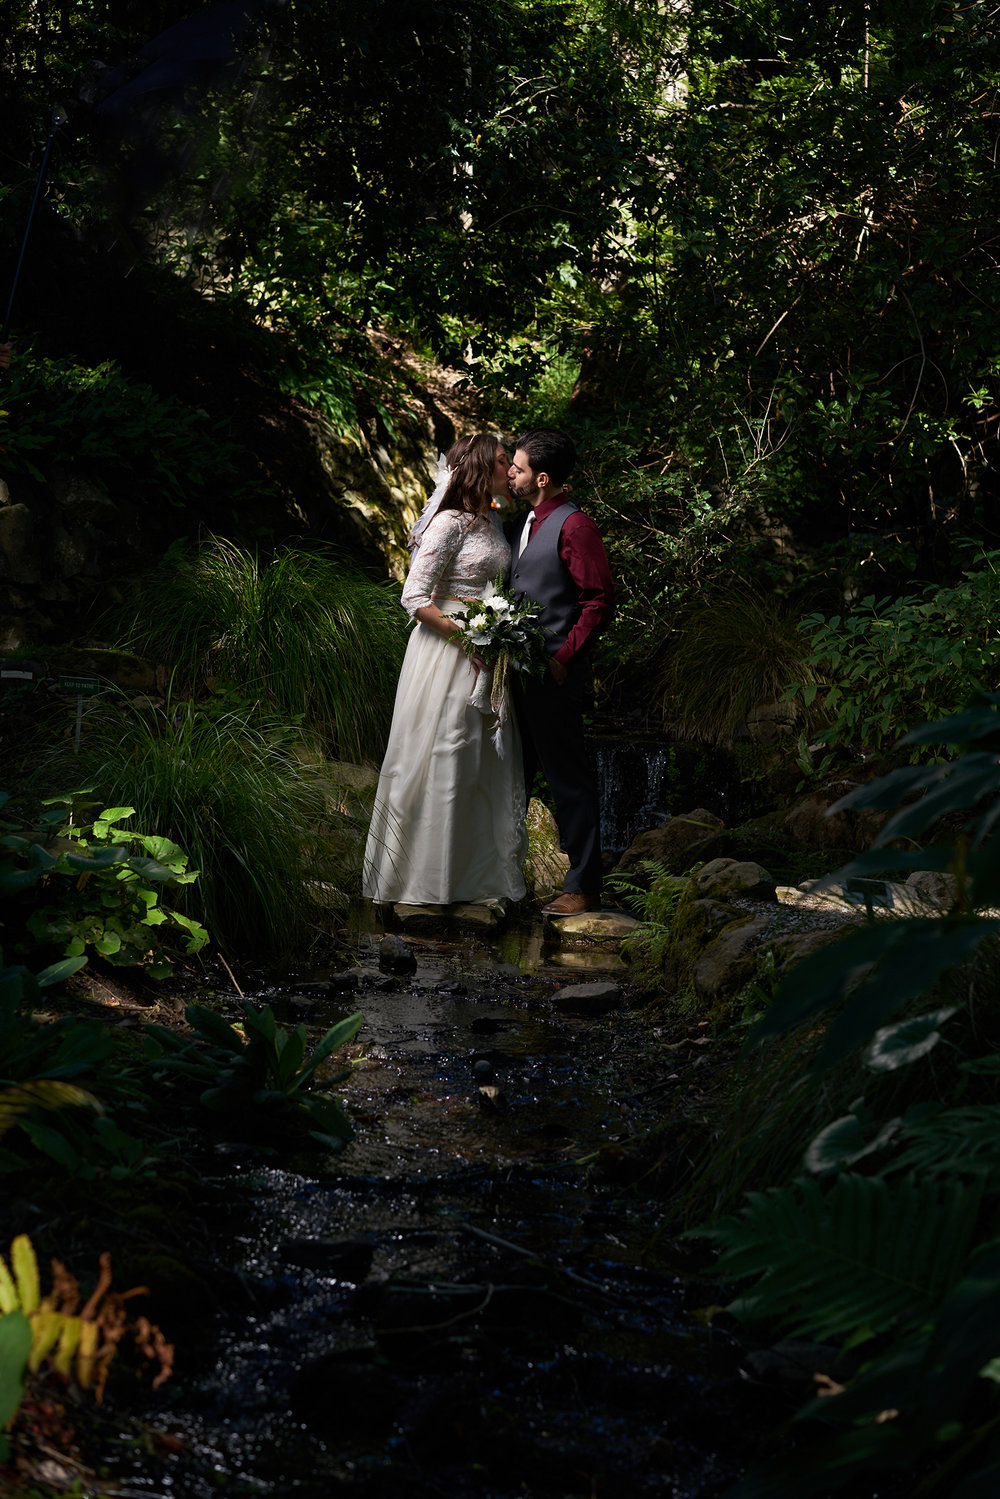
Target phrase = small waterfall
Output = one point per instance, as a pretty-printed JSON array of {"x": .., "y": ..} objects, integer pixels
[{"x": 643, "y": 783}]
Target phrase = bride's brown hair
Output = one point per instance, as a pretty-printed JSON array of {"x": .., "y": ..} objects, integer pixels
[{"x": 471, "y": 460}]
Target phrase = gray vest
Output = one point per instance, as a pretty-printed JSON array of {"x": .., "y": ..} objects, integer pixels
[{"x": 540, "y": 574}]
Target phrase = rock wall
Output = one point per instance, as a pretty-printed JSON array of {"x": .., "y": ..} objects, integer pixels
[{"x": 72, "y": 538}]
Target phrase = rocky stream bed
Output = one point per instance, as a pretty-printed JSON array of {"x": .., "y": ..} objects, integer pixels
[{"x": 470, "y": 1300}]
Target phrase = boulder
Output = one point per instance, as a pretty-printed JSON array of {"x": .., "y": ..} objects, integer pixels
[
  {"x": 587, "y": 999},
  {"x": 791, "y": 949},
  {"x": 723, "y": 879},
  {"x": 671, "y": 843},
  {"x": 730, "y": 961},
  {"x": 813, "y": 823},
  {"x": 934, "y": 888},
  {"x": 395, "y": 955},
  {"x": 769, "y": 723},
  {"x": 419, "y": 919}
]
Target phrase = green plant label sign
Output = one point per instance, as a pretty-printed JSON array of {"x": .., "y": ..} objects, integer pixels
[{"x": 82, "y": 686}]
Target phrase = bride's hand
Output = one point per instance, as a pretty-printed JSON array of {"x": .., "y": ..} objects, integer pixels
[{"x": 478, "y": 664}]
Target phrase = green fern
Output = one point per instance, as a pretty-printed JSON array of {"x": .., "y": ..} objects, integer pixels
[
  {"x": 954, "y": 1140},
  {"x": 859, "y": 1257}
]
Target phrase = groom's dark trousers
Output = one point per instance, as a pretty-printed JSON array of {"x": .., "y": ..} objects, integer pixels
[{"x": 552, "y": 733}]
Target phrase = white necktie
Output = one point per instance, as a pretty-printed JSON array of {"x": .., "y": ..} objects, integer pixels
[{"x": 525, "y": 532}]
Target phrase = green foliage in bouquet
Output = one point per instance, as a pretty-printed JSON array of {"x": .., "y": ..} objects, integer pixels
[{"x": 500, "y": 623}]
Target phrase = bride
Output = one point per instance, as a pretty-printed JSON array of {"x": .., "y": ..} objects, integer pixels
[{"x": 448, "y": 823}]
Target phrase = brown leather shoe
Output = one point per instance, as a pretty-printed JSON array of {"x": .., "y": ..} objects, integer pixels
[{"x": 571, "y": 903}]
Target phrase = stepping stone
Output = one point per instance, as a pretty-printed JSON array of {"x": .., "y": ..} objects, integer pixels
[
  {"x": 611, "y": 926},
  {"x": 587, "y": 999},
  {"x": 487, "y": 915}
]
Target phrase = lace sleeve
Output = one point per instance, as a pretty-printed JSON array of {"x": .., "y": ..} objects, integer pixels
[{"x": 439, "y": 545}]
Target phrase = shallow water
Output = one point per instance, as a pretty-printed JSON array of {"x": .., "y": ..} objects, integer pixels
[{"x": 450, "y": 1306}]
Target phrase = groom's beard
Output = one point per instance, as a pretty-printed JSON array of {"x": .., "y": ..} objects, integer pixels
[{"x": 525, "y": 491}]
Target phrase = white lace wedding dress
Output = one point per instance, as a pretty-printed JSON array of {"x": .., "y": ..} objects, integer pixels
[{"x": 448, "y": 823}]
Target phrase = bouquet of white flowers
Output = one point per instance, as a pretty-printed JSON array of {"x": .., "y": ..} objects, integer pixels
[
  {"x": 499, "y": 623},
  {"x": 504, "y": 630}
]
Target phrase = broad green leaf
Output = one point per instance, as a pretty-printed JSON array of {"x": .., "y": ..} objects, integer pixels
[
  {"x": 150, "y": 869},
  {"x": 15, "y": 1347},
  {"x": 110, "y": 815},
  {"x": 843, "y": 1142},
  {"x": 101, "y": 858},
  {"x": 57, "y": 973},
  {"x": 338, "y": 1035},
  {"x": 897, "y": 1045},
  {"x": 214, "y": 1028}
]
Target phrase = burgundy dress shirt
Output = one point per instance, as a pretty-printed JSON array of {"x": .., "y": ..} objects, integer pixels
[{"x": 582, "y": 552}]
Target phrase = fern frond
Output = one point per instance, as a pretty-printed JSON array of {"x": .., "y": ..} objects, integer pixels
[
  {"x": 863, "y": 1254},
  {"x": 966, "y": 1139}
]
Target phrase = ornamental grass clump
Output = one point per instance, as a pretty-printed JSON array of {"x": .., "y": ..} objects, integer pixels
[
  {"x": 298, "y": 633},
  {"x": 730, "y": 654},
  {"x": 231, "y": 790}
]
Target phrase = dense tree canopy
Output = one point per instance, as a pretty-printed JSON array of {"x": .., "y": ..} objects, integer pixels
[{"x": 767, "y": 229}]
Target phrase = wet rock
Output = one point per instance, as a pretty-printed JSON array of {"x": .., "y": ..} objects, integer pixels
[
  {"x": 395, "y": 955},
  {"x": 342, "y": 1259},
  {"x": 490, "y": 1098},
  {"x": 344, "y": 982},
  {"x": 452, "y": 988},
  {"x": 422, "y": 918},
  {"x": 489, "y": 1025},
  {"x": 611, "y": 927},
  {"x": 485, "y": 915},
  {"x": 671, "y": 843},
  {"x": 385, "y": 984},
  {"x": 482, "y": 1069},
  {"x": 301, "y": 1006},
  {"x": 587, "y": 999},
  {"x": 724, "y": 879}
]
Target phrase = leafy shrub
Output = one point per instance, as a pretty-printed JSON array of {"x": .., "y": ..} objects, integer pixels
[
  {"x": 62, "y": 412},
  {"x": 886, "y": 1240},
  {"x": 256, "y": 1075},
  {"x": 78, "y": 1344},
  {"x": 43, "y": 1064},
  {"x": 894, "y": 662},
  {"x": 230, "y": 787},
  {"x": 297, "y": 633},
  {"x": 99, "y": 887}
]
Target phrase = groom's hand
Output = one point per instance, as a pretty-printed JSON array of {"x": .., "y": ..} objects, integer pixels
[{"x": 558, "y": 670}]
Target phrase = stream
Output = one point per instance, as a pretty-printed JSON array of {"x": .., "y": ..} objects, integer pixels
[{"x": 452, "y": 1305}]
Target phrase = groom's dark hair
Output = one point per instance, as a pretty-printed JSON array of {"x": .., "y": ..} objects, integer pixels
[{"x": 548, "y": 452}]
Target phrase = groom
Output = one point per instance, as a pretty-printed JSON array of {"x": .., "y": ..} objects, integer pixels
[{"x": 559, "y": 561}]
